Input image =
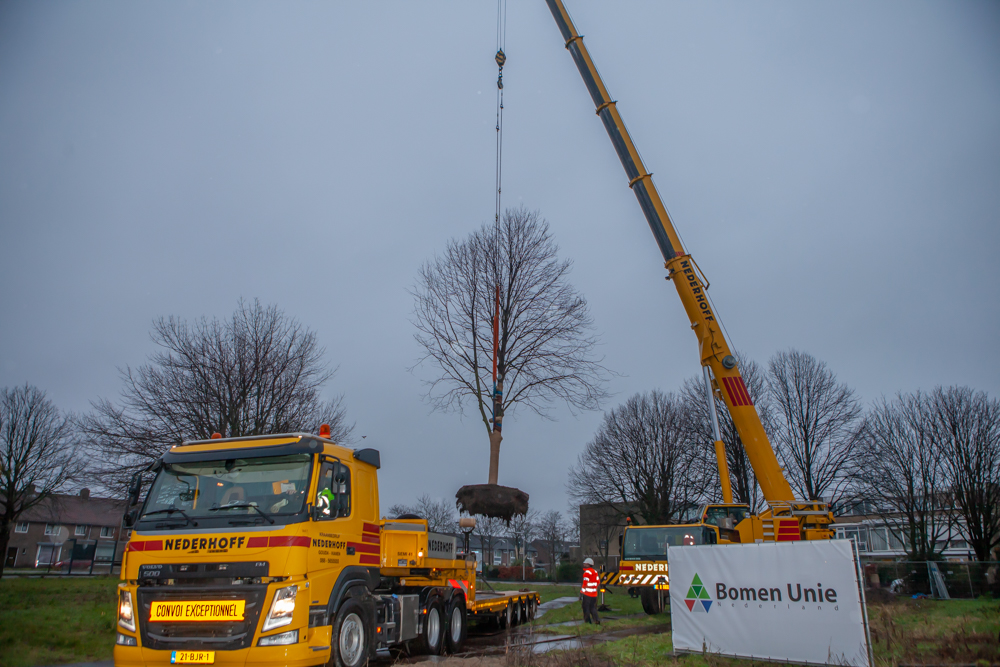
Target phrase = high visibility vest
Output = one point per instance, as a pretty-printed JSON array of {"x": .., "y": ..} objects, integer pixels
[{"x": 591, "y": 582}]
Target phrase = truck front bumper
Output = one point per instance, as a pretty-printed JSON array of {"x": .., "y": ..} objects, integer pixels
[{"x": 315, "y": 650}]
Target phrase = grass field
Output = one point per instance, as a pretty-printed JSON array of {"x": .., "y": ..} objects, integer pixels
[{"x": 55, "y": 620}]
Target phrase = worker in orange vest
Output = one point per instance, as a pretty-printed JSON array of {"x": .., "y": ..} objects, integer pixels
[{"x": 588, "y": 592}]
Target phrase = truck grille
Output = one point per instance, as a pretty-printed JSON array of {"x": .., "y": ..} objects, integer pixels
[{"x": 199, "y": 635}]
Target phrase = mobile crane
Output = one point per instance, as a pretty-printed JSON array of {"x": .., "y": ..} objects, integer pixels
[{"x": 644, "y": 559}]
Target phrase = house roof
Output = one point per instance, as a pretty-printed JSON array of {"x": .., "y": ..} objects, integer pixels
[{"x": 76, "y": 510}]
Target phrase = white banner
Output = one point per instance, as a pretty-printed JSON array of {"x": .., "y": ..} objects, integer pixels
[{"x": 794, "y": 601}]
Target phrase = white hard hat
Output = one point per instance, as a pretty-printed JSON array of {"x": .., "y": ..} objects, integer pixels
[{"x": 588, "y": 561}]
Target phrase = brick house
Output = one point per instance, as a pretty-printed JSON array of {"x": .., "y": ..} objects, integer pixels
[{"x": 61, "y": 526}]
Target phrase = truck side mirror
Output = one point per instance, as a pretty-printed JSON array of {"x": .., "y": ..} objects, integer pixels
[
  {"x": 130, "y": 518},
  {"x": 134, "y": 489}
]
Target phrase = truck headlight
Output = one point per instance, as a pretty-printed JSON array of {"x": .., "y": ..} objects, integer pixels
[
  {"x": 281, "y": 609},
  {"x": 126, "y": 617}
]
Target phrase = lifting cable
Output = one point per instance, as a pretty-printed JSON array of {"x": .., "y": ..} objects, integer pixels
[{"x": 500, "y": 58}]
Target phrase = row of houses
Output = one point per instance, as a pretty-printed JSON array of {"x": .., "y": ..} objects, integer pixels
[{"x": 63, "y": 527}]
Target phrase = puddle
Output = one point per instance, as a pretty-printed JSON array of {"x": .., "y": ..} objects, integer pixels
[{"x": 527, "y": 639}]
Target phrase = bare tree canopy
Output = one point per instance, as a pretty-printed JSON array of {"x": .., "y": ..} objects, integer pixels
[
  {"x": 966, "y": 427},
  {"x": 37, "y": 454},
  {"x": 744, "y": 481},
  {"x": 546, "y": 341},
  {"x": 522, "y": 530},
  {"x": 440, "y": 514},
  {"x": 816, "y": 424},
  {"x": 552, "y": 534},
  {"x": 643, "y": 460},
  {"x": 258, "y": 372},
  {"x": 903, "y": 474},
  {"x": 489, "y": 530}
]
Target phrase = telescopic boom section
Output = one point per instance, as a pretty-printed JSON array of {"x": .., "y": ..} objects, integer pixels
[{"x": 715, "y": 352}]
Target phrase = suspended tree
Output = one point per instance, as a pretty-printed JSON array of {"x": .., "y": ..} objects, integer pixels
[{"x": 503, "y": 294}]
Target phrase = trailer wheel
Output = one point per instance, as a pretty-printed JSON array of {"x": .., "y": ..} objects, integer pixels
[
  {"x": 457, "y": 627},
  {"x": 432, "y": 641},
  {"x": 508, "y": 616},
  {"x": 350, "y": 636},
  {"x": 524, "y": 611},
  {"x": 531, "y": 609}
]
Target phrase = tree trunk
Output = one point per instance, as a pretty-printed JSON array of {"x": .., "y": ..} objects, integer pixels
[
  {"x": 5, "y": 528},
  {"x": 495, "y": 438}
]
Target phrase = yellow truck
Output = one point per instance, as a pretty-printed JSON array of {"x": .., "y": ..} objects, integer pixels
[{"x": 269, "y": 550}]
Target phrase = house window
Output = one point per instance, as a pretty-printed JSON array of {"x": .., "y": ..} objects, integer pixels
[
  {"x": 107, "y": 531},
  {"x": 497, "y": 557},
  {"x": 80, "y": 530},
  {"x": 21, "y": 527},
  {"x": 878, "y": 539},
  {"x": 51, "y": 529}
]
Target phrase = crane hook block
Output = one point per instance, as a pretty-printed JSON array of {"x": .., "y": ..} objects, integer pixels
[
  {"x": 501, "y": 58},
  {"x": 500, "y": 82}
]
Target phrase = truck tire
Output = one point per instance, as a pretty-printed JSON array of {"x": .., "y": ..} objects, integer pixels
[
  {"x": 351, "y": 635},
  {"x": 650, "y": 600},
  {"x": 531, "y": 609},
  {"x": 508, "y": 616},
  {"x": 457, "y": 630},
  {"x": 432, "y": 640}
]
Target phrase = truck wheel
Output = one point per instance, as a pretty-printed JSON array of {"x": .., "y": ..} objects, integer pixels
[
  {"x": 531, "y": 609},
  {"x": 350, "y": 636},
  {"x": 650, "y": 600},
  {"x": 524, "y": 611},
  {"x": 457, "y": 630},
  {"x": 433, "y": 637},
  {"x": 508, "y": 616}
]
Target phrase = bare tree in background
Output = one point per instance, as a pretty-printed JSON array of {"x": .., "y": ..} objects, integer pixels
[
  {"x": 604, "y": 523},
  {"x": 489, "y": 530},
  {"x": 966, "y": 426},
  {"x": 816, "y": 424},
  {"x": 643, "y": 461},
  {"x": 521, "y": 531},
  {"x": 258, "y": 372},
  {"x": 440, "y": 514},
  {"x": 552, "y": 534},
  {"x": 37, "y": 455},
  {"x": 546, "y": 344},
  {"x": 902, "y": 474},
  {"x": 744, "y": 481}
]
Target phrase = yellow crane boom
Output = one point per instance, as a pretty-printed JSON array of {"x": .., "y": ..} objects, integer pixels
[{"x": 721, "y": 372}]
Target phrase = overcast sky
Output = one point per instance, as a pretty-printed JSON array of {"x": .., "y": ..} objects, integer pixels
[{"x": 834, "y": 167}]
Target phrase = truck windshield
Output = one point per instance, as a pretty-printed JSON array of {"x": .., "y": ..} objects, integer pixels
[
  {"x": 230, "y": 488},
  {"x": 652, "y": 543}
]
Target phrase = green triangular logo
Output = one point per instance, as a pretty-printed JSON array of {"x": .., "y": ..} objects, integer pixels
[
  {"x": 696, "y": 581},
  {"x": 692, "y": 593},
  {"x": 704, "y": 595}
]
